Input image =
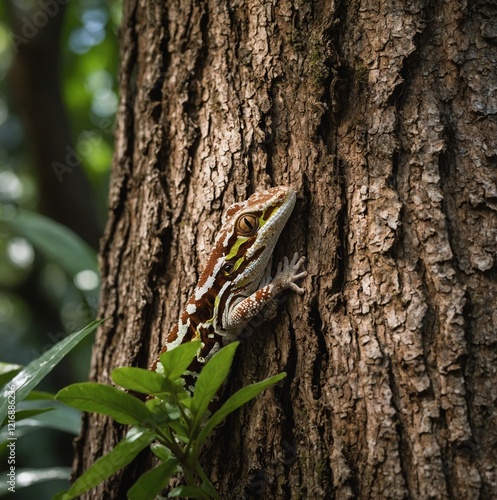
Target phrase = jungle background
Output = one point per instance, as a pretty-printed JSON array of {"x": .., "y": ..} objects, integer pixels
[{"x": 58, "y": 67}]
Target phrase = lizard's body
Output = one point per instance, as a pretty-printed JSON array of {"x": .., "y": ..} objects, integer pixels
[{"x": 227, "y": 296}]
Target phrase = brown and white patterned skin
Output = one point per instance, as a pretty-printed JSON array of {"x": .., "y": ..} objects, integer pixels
[{"x": 227, "y": 295}]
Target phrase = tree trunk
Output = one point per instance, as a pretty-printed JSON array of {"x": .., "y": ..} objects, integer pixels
[{"x": 383, "y": 119}]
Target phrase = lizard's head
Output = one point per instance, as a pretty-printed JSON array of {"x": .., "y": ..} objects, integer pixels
[
  {"x": 250, "y": 232},
  {"x": 238, "y": 261}
]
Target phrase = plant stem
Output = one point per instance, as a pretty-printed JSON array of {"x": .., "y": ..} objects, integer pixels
[{"x": 211, "y": 491}]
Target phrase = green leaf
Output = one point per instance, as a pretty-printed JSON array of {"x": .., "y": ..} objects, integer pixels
[
  {"x": 107, "y": 400},
  {"x": 160, "y": 451},
  {"x": 162, "y": 388},
  {"x": 180, "y": 429},
  {"x": 244, "y": 395},
  {"x": 144, "y": 381},
  {"x": 188, "y": 492},
  {"x": 153, "y": 482},
  {"x": 177, "y": 360},
  {"x": 7, "y": 372},
  {"x": 28, "y": 477},
  {"x": 169, "y": 416},
  {"x": 211, "y": 379},
  {"x": 28, "y": 378},
  {"x": 126, "y": 450}
]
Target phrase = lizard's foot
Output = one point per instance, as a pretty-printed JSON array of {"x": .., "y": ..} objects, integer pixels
[{"x": 289, "y": 272}]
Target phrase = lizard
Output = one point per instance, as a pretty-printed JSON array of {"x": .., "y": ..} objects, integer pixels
[{"x": 235, "y": 285}]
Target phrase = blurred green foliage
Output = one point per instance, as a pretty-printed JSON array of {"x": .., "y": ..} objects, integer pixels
[
  {"x": 91, "y": 62},
  {"x": 42, "y": 298}
]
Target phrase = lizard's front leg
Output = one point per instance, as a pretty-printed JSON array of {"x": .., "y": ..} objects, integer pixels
[{"x": 240, "y": 313}]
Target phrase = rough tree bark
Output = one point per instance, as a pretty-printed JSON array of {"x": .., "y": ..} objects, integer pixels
[{"x": 382, "y": 116}]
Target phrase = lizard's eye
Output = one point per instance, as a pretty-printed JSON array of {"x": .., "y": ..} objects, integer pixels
[
  {"x": 247, "y": 225},
  {"x": 228, "y": 267}
]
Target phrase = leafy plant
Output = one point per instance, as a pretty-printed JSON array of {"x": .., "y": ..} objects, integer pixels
[
  {"x": 174, "y": 423},
  {"x": 16, "y": 421},
  {"x": 28, "y": 378}
]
